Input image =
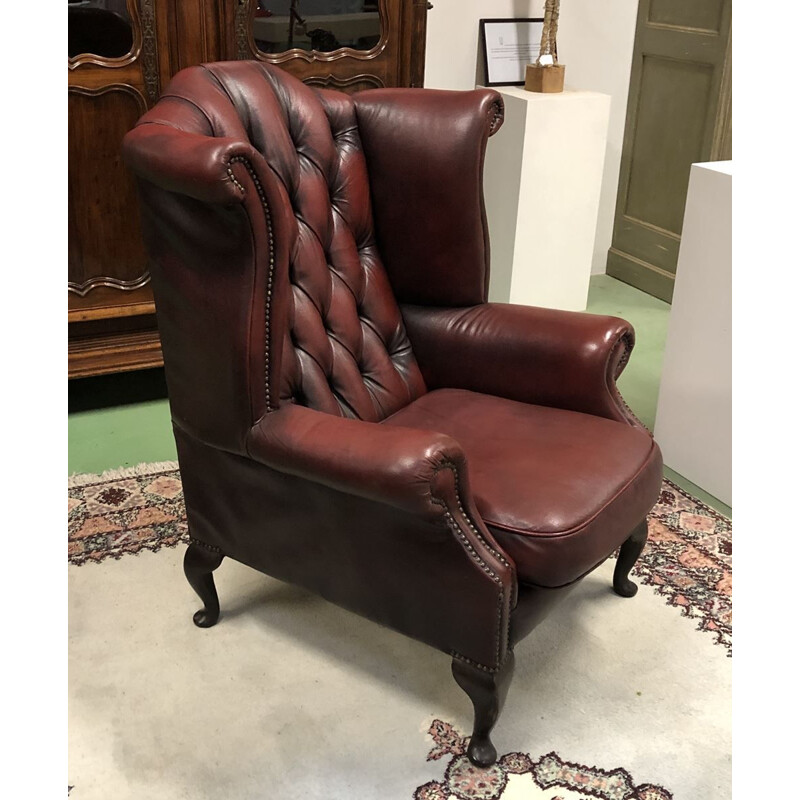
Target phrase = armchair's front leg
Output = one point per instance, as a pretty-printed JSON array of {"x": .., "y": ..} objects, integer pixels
[
  {"x": 487, "y": 690},
  {"x": 198, "y": 565},
  {"x": 628, "y": 555}
]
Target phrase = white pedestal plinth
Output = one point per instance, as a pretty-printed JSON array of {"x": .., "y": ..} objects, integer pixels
[
  {"x": 693, "y": 418},
  {"x": 542, "y": 179}
]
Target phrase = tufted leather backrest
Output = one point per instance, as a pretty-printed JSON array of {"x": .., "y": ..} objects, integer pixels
[{"x": 345, "y": 350}]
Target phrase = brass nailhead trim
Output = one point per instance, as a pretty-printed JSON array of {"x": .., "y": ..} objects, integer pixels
[
  {"x": 626, "y": 337},
  {"x": 270, "y": 275},
  {"x": 233, "y": 179},
  {"x": 623, "y": 362},
  {"x": 451, "y": 521},
  {"x": 451, "y": 466},
  {"x": 497, "y": 115}
]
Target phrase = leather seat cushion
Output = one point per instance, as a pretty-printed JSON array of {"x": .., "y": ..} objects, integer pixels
[{"x": 560, "y": 490}]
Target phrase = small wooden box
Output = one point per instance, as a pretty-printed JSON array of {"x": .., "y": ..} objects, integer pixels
[{"x": 544, "y": 79}]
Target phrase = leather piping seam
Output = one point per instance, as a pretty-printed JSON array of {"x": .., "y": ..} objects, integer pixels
[
  {"x": 456, "y": 528},
  {"x": 577, "y": 528},
  {"x": 245, "y": 162},
  {"x": 588, "y": 571},
  {"x": 483, "y": 667}
]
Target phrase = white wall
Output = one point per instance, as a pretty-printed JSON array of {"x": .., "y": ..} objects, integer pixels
[{"x": 595, "y": 42}]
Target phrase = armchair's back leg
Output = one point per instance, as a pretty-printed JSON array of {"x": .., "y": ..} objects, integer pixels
[
  {"x": 487, "y": 690},
  {"x": 198, "y": 565},
  {"x": 628, "y": 554}
]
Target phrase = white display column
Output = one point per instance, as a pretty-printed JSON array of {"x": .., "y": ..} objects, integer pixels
[
  {"x": 542, "y": 179},
  {"x": 693, "y": 418}
]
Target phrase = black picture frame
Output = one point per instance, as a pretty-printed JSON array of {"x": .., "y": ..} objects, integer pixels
[{"x": 485, "y": 24}]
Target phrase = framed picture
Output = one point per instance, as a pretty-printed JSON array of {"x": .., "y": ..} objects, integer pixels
[{"x": 509, "y": 45}]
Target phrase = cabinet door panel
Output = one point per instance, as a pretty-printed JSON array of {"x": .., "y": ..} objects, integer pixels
[
  {"x": 105, "y": 232},
  {"x": 345, "y": 45}
]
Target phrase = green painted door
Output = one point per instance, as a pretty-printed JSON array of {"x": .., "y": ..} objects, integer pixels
[{"x": 679, "y": 112}]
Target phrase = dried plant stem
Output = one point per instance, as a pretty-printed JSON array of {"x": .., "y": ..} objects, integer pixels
[{"x": 548, "y": 44}]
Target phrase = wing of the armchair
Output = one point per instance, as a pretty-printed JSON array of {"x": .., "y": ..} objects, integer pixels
[
  {"x": 415, "y": 482},
  {"x": 428, "y": 148},
  {"x": 215, "y": 227},
  {"x": 425, "y": 151},
  {"x": 563, "y": 359}
]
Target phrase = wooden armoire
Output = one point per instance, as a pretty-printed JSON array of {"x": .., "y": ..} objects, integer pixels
[{"x": 122, "y": 53}]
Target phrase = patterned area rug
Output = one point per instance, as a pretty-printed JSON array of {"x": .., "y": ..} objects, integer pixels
[
  {"x": 518, "y": 775},
  {"x": 687, "y": 559},
  {"x": 687, "y": 562},
  {"x": 125, "y": 511}
]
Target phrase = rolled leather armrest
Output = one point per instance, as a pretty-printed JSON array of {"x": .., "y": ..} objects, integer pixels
[
  {"x": 564, "y": 359},
  {"x": 188, "y": 163},
  {"x": 420, "y": 472},
  {"x": 397, "y": 466}
]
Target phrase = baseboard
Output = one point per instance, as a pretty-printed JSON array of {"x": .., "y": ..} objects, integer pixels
[{"x": 650, "y": 279}]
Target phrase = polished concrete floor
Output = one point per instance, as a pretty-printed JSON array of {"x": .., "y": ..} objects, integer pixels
[{"x": 123, "y": 420}]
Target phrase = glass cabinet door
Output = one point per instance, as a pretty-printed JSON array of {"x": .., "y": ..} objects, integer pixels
[
  {"x": 102, "y": 28},
  {"x": 320, "y": 25}
]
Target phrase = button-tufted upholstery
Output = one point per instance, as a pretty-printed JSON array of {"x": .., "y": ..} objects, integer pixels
[
  {"x": 320, "y": 265},
  {"x": 347, "y": 352}
]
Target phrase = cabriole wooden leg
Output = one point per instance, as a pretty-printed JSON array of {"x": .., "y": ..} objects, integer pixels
[
  {"x": 198, "y": 565},
  {"x": 487, "y": 690},
  {"x": 628, "y": 554}
]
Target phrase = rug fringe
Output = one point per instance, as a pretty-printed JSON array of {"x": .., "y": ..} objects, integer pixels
[{"x": 88, "y": 478}]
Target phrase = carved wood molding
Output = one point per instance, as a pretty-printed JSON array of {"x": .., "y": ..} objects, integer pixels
[
  {"x": 150, "y": 50},
  {"x": 82, "y": 289},
  {"x": 143, "y": 23},
  {"x": 121, "y": 61},
  {"x": 112, "y": 87},
  {"x": 246, "y": 45},
  {"x": 328, "y": 81},
  {"x": 121, "y": 352},
  {"x": 245, "y": 13}
]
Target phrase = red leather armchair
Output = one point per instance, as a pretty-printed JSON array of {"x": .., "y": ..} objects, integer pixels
[{"x": 351, "y": 415}]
